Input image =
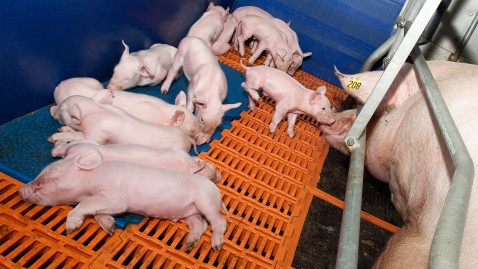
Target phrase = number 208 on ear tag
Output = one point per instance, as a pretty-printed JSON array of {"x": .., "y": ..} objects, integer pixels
[{"x": 354, "y": 84}]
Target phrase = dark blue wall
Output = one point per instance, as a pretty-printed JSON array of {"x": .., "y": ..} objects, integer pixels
[{"x": 47, "y": 41}]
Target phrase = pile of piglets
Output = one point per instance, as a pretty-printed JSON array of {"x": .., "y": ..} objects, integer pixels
[
  {"x": 128, "y": 152},
  {"x": 405, "y": 149},
  {"x": 267, "y": 34}
]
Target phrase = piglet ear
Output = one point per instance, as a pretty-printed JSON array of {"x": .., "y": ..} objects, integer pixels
[
  {"x": 103, "y": 97},
  {"x": 180, "y": 99},
  {"x": 315, "y": 98},
  {"x": 322, "y": 89},
  {"x": 200, "y": 104},
  {"x": 306, "y": 54},
  {"x": 211, "y": 5},
  {"x": 54, "y": 112},
  {"x": 195, "y": 164},
  {"x": 75, "y": 113},
  {"x": 126, "y": 50},
  {"x": 89, "y": 159},
  {"x": 177, "y": 119},
  {"x": 146, "y": 72},
  {"x": 227, "y": 107}
]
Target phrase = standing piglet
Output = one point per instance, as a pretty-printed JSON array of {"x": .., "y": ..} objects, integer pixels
[
  {"x": 270, "y": 39},
  {"x": 89, "y": 119},
  {"x": 293, "y": 42},
  {"x": 141, "y": 68},
  {"x": 291, "y": 97},
  {"x": 106, "y": 188},
  {"x": 210, "y": 25},
  {"x": 142, "y": 106},
  {"x": 207, "y": 83},
  {"x": 221, "y": 45},
  {"x": 165, "y": 158}
]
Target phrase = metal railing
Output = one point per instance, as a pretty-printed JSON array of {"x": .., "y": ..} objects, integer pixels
[{"x": 416, "y": 17}]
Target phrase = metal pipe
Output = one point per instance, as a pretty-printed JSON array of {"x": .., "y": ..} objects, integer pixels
[
  {"x": 390, "y": 72},
  {"x": 445, "y": 249},
  {"x": 347, "y": 256},
  {"x": 408, "y": 13},
  {"x": 432, "y": 26},
  {"x": 464, "y": 40},
  {"x": 378, "y": 53}
]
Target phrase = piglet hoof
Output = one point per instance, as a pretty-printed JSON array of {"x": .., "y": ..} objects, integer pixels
[
  {"x": 291, "y": 134},
  {"x": 164, "y": 91},
  {"x": 216, "y": 246},
  {"x": 51, "y": 140},
  {"x": 73, "y": 222},
  {"x": 191, "y": 244}
]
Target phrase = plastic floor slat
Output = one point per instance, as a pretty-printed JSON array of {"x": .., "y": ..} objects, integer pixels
[{"x": 268, "y": 182}]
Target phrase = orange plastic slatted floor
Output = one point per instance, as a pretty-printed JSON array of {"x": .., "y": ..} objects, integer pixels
[{"x": 268, "y": 184}]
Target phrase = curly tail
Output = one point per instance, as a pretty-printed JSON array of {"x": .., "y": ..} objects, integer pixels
[{"x": 245, "y": 67}]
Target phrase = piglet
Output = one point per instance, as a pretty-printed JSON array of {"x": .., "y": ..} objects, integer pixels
[
  {"x": 221, "y": 45},
  {"x": 293, "y": 42},
  {"x": 142, "y": 106},
  {"x": 141, "y": 68},
  {"x": 165, "y": 158},
  {"x": 102, "y": 189},
  {"x": 291, "y": 97},
  {"x": 210, "y": 25},
  {"x": 270, "y": 39},
  {"x": 207, "y": 83},
  {"x": 99, "y": 121}
]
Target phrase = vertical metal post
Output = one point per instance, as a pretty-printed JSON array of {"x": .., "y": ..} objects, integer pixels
[
  {"x": 445, "y": 249},
  {"x": 347, "y": 256}
]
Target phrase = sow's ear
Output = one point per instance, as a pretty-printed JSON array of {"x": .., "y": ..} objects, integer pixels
[{"x": 89, "y": 159}]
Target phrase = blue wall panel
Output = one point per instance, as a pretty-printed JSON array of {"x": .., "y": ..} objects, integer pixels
[
  {"x": 338, "y": 32},
  {"x": 47, "y": 41}
]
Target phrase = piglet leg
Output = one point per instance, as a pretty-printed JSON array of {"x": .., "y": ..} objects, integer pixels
[
  {"x": 291, "y": 119},
  {"x": 174, "y": 71},
  {"x": 252, "y": 94},
  {"x": 68, "y": 137},
  {"x": 93, "y": 205},
  {"x": 276, "y": 118},
  {"x": 106, "y": 222},
  {"x": 197, "y": 226}
]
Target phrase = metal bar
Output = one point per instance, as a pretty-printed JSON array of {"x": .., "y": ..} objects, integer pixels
[
  {"x": 379, "y": 53},
  {"x": 446, "y": 243},
  {"x": 391, "y": 72},
  {"x": 464, "y": 40},
  {"x": 408, "y": 13},
  {"x": 347, "y": 256}
]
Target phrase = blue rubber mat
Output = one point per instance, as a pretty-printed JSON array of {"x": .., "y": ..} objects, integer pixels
[{"x": 25, "y": 150}]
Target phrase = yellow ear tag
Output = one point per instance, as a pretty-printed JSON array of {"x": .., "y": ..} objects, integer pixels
[{"x": 354, "y": 84}]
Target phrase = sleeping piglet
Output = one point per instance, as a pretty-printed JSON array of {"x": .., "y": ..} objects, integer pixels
[
  {"x": 144, "y": 67},
  {"x": 291, "y": 97},
  {"x": 97, "y": 120},
  {"x": 142, "y": 106},
  {"x": 165, "y": 158},
  {"x": 103, "y": 189}
]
